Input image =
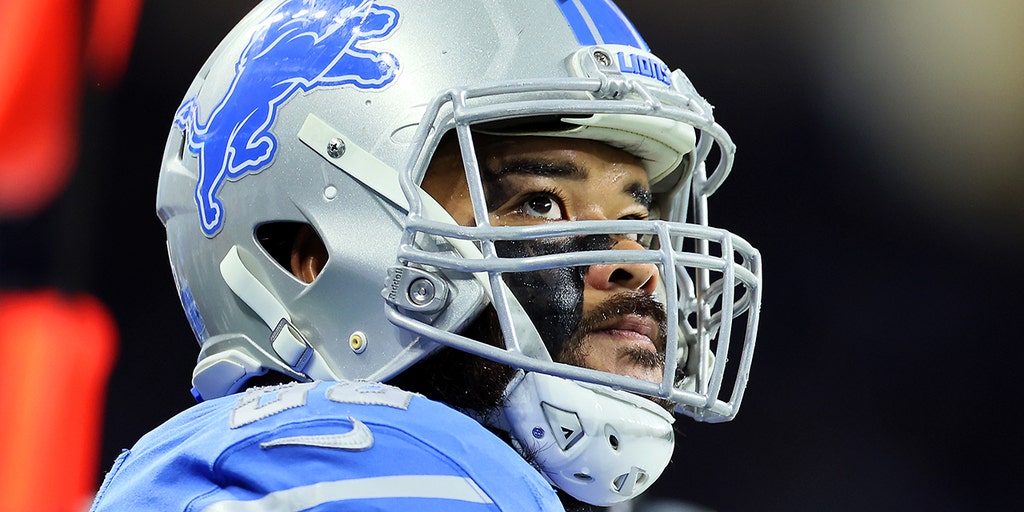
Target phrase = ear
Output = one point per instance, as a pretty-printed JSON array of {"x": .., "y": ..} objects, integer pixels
[{"x": 309, "y": 255}]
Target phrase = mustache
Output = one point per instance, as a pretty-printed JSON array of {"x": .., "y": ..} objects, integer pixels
[{"x": 619, "y": 305}]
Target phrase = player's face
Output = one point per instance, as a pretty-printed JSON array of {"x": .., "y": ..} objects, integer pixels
[{"x": 602, "y": 317}]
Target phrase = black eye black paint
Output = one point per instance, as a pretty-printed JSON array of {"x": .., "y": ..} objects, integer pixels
[{"x": 552, "y": 298}]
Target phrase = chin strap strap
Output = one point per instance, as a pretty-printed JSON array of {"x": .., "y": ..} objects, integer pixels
[
  {"x": 290, "y": 345},
  {"x": 225, "y": 371}
]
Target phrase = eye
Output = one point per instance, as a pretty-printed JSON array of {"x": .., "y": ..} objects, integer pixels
[{"x": 544, "y": 206}]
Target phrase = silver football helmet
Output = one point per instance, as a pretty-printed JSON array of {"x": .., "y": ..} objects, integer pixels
[{"x": 325, "y": 113}]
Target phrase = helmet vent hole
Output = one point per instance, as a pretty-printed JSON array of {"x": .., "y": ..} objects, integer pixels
[
  {"x": 583, "y": 476},
  {"x": 181, "y": 147},
  {"x": 628, "y": 483},
  {"x": 620, "y": 481},
  {"x": 612, "y": 436},
  {"x": 283, "y": 241}
]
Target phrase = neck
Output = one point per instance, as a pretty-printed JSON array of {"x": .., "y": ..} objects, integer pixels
[{"x": 574, "y": 505}]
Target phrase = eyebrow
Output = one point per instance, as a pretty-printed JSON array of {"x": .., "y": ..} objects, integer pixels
[
  {"x": 543, "y": 168},
  {"x": 499, "y": 192},
  {"x": 641, "y": 194}
]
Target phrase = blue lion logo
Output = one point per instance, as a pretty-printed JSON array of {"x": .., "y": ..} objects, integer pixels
[{"x": 302, "y": 45}]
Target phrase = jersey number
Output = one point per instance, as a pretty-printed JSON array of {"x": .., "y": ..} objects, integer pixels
[{"x": 257, "y": 404}]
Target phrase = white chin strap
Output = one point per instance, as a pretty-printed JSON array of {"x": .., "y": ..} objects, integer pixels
[{"x": 599, "y": 445}]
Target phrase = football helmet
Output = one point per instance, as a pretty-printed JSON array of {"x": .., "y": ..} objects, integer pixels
[{"x": 325, "y": 113}]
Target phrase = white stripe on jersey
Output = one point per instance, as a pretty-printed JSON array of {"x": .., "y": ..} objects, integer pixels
[{"x": 405, "y": 486}]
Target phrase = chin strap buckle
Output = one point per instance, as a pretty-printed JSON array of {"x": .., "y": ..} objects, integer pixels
[{"x": 291, "y": 346}]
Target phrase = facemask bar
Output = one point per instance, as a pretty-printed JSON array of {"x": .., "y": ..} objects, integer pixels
[{"x": 707, "y": 306}]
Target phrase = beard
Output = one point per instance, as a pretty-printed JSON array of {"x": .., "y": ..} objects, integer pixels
[
  {"x": 472, "y": 383},
  {"x": 575, "y": 350},
  {"x": 553, "y": 300},
  {"x": 462, "y": 380}
]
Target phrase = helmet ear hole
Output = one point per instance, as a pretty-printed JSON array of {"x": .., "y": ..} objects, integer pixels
[{"x": 295, "y": 247}]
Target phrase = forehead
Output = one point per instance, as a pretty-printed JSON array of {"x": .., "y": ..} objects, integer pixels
[{"x": 589, "y": 158}]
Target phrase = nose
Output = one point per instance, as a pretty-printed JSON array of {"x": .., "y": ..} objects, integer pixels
[{"x": 642, "y": 277}]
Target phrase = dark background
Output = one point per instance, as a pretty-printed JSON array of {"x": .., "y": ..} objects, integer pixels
[{"x": 879, "y": 172}]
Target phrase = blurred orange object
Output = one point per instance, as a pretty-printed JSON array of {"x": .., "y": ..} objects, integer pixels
[
  {"x": 56, "y": 353},
  {"x": 39, "y": 101},
  {"x": 41, "y": 80},
  {"x": 110, "y": 38}
]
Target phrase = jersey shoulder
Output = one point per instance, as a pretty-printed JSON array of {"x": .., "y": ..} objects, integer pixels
[{"x": 323, "y": 446}]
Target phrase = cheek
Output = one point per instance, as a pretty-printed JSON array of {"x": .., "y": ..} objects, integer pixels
[
  {"x": 552, "y": 298},
  {"x": 457, "y": 203}
]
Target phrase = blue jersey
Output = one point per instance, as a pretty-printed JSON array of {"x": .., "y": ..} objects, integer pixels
[{"x": 323, "y": 446}]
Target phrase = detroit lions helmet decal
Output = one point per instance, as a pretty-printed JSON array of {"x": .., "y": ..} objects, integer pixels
[{"x": 235, "y": 140}]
